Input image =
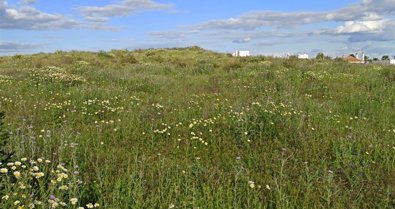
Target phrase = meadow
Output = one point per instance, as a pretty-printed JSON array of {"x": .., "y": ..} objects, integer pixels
[{"x": 191, "y": 128}]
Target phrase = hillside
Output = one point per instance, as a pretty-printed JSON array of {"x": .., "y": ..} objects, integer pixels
[{"x": 191, "y": 128}]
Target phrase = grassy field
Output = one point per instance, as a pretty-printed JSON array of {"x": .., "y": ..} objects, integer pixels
[{"x": 190, "y": 128}]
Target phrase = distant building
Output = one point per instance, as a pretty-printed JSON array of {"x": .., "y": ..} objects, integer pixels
[
  {"x": 354, "y": 60},
  {"x": 384, "y": 62},
  {"x": 303, "y": 56},
  {"x": 241, "y": 53}
]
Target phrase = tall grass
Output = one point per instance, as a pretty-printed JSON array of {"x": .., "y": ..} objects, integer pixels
[{"x": 190, "y": 128}]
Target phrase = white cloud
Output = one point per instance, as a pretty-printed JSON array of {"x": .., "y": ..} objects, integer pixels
[
  {"x": 121, "y": 8},
  {"x": 362, "y": 26},
  {"x": 30, "y": 18},
  {"x": 242, "y": 41}
]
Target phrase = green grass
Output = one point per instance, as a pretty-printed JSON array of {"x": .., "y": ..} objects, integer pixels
[{"x": 190, "y": 128}]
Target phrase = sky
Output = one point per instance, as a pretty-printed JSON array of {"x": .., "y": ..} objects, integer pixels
[{"x": 264, "y": 27}]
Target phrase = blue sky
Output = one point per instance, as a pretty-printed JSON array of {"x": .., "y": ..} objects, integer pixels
[{"x": 270, "y": 27}]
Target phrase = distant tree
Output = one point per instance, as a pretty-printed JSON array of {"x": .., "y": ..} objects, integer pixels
[
  {"x": 375, "y": 59},
  {"x": 320, "y": 56},
  {"x": 385, "y": 57},
  {"x": 352, "y": 55}
]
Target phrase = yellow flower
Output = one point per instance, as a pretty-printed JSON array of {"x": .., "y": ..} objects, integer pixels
[
  {"x": 251, "y": 184},
  {"x": 73, "y": 201},
  {"x": 55, "y": 204},
  {"x": 3, "y": 170},
  {"x": 17, "y": 163},
  {"x": 39, "y": 175},
  {"x": 17, "y": 174},
  {"x": 22, "y": 186},
  {"x": 63, "y": 187}
]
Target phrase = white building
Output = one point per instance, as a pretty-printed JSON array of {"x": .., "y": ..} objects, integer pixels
[
  {"x": 241, "y": 53},
  {"x": 392, "y": 61},
  {"x": 303, "y": 56}
]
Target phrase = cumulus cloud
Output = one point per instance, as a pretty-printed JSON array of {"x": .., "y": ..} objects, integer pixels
[
  {"x": 30, "y": 18},
  {"x": 362, "y": 26},
  {"x": 387, "y": 33},
  {"x": 121, "y": 8},
  {"x": 255, "y": 20}
]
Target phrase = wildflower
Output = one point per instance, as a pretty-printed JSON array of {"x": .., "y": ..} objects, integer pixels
[
  {"x": 80, "y": 208},
  {"x": 96, "y": 205},
  {"x": 31, "y": 205},
  {"x": 171, "y": 206},
  {"x": 17, "y": 163},
  {"x": 13, "y": 168},
  {"x": 24, "y": 159},
  {"x": 251, "y": 184},
  {"x": 39, "y": 175},
  {"x": 37, "y": 202},
  {"x": 55, "y": 204},
  {"x": 39, "y": 160},
  {"x": 63, "y": 187},
  {"x": 17, "y": 202},
  {"x": 73, "y": 201},
  {"x": 17, "y": 174},
  {"x": 35, "y": 168},
  {"x": 268, "y": 187},
  {"x": 3, "y": 170},
  {"x": 5, "y": 197},
  {"x": 89, "y": 205}
]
